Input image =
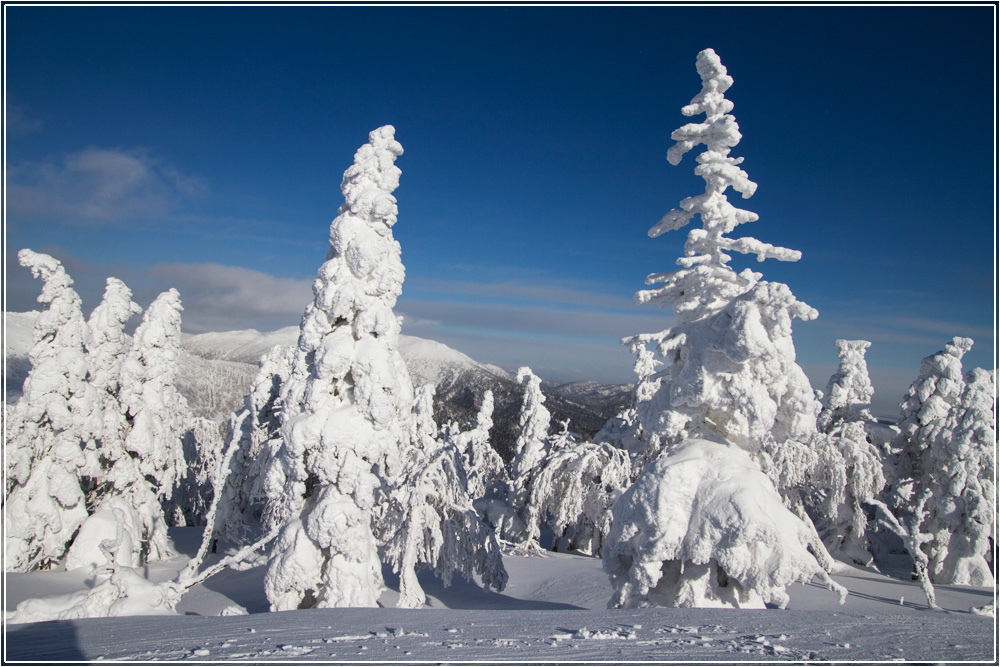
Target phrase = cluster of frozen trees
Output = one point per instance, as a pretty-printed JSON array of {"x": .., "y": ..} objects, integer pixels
[
  {"x": 95, "y": 445},
  {"x": 727, "y": 478}
]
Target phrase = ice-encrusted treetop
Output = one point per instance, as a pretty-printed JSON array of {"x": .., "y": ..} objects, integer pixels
[
  {"x": 707, "y": 283},
  {"x": 849, "y": 392}
]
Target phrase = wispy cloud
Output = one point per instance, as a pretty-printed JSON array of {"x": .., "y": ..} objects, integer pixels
[
  {"x": 551, "y": 293},
  {"x": 18, "y": 122},
  {"x": 98, "y": 186}
]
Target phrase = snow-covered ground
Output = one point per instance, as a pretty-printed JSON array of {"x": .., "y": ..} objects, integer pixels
[{"x": 552, "y": 610}]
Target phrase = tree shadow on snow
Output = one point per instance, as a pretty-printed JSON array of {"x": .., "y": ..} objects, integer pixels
[
  {"x": 247, "y": 590},
  {"x": 50, "y": 641},
  {"x": 465, "y": 594}
]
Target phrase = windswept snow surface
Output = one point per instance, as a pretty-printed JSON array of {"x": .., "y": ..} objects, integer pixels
[{"x": 553, "y": 609}]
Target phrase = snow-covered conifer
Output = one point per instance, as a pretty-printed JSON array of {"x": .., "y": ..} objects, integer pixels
[
  {"x": 849, "y": 392},
  {"x": 430, "y": 521},
  {"x": 346, "y": 402},
  {"x": 729, "y": 376},
  {"x": 850, "y": 462},
  {"x": 624, "y": 429},
  {"x": 50, "y": 442},
  {"x": 572, "y": 491},
  {"x": 158, "y": 414},
  {"x": 256, "y": 473},
  {"x": 532, "y": 439},
  {"x": 529, "y": 449},
  {"x": 729, "y": 364},
  {"x": 925, "y": 408},
  {"x": 483, "y": 465},
  {"x": 961, "y": 474}
]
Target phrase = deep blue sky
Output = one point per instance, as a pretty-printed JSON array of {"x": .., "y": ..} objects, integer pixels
[{"x": 203, "y": 147}]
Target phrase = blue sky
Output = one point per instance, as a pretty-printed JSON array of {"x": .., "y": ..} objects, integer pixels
[{"x": 202, "y": 148}]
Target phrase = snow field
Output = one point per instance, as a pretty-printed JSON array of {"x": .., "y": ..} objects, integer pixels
[{"x": 553, "y": 609}]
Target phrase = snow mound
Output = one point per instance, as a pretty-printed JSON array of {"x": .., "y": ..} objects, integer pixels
[{"x": 704, "y": 527}]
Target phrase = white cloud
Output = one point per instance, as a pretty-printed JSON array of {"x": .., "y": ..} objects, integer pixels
[
  {"x": 98, "y": 186},
  {"x": 220, "y": 298}
]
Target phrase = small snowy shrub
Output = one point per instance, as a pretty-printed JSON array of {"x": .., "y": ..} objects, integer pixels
[{"x": 704, "y": 527}]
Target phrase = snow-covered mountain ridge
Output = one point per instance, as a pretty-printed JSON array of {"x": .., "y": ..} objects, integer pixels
[{"x": 217, "y": 368}]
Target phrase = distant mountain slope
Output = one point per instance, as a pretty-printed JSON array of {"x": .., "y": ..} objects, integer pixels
[{"x": 217, "y": 368}]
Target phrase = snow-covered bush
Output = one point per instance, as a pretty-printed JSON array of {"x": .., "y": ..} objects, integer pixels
[
  {"x": 430, "y": 521},
  {"x": 961, "y": 475},
  {"x": 853, "y": 464},
  {"x": 50, "y": 439},
  {"x": 346, "y": 402},
  {"x": 704, "y": 527},
  {"x": 572, "y": 491}
]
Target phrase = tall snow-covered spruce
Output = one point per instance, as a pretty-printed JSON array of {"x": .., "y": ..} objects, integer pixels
[
  {"x": 158, "y": 413},
  {"x": 346, "y": 402},
  {"x": 728, "y": 398},
  {"x": 50, "y": 441}
]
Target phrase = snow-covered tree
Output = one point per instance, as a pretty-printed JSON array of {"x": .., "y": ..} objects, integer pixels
[
  {"x": 961, "y": 476},
  {"x": 430, "y": 521},
  {"x": 853, "y": 464},
  {"x": 925, "y": 408},
  {"x": 529, "y": 449},
  {"x": 106, "y": 350},
  {"x": 728, "y": 376},
  {"x": 532, "y": 439},
  {"x": 50, "y": 443},
  {"x": 256, "y": 472},
  {"x": 158, "y": 415},
  {"x": 729, "y": 363},
  {"x": 849, "y": 392},
  {"x": 624, "y": 429},
  {"x": 202, "y": 447},
  {"x": 572, "y": 491},
  {"x": 704, "y": 527},
  {"x": 346, "y": 402},
  {"x": 483, "y": 465}
]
